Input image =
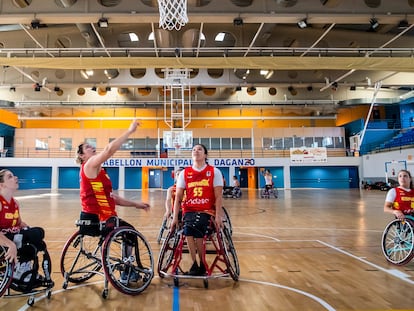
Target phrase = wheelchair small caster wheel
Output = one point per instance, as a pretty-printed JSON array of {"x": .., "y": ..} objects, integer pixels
[
  {"x": 205, "y": 281},
  {"x": 30, "y": 301},
  {"x": 105, "y": 294},
  {"x": 48, "y": 294},
  {"x": 176, "y": 282},
  {"x": 65, "y": 285}
]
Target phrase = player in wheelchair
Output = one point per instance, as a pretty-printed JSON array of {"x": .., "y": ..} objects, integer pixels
[
  {"x": 203, "y": 186},
  {"x": 234, "y": 191},
  {"x": 398, "y": 236},
  {"x": 99, "y": 208},
  {"x": 21, "y": 244}
]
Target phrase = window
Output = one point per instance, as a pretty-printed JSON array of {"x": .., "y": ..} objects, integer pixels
[
  {"x": 298, "y": 142},
  {"x": 42, "y": 144},
  {"x": 91, "y": 141},
  {"x": 215, "y": 143},
  {"x": 236, "y": 143},
  {"x": 278, "y": 143},
  {"x": 339, "y": 142},
  {"x": 267, "y": 143},
  {"x": 225, "y": 143},
  {"x": 308, "y": 142},
  {"x": 288, "y": 142},
  {"x": 65, "y": 144},
  {"x": 247, "y": 143}
]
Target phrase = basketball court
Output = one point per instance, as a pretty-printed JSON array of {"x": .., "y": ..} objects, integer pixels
[{"x": 312, "y": 249}]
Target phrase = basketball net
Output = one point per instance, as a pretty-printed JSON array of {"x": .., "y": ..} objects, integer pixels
[{"x": 173, "y": 14}]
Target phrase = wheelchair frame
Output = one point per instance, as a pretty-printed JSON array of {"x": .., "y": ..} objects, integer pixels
[
  {"x": 9, "y": 290},
  {"x": 84, "y": 256},
  {"x": 166, "y": 224},
  {"x": 218, "y": 243},
  {"x": 268, "y": 193},
  {"x": 398, "y": 241}
]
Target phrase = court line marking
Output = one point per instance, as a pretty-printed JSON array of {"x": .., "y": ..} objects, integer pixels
[{"x": 394, "y": 272}]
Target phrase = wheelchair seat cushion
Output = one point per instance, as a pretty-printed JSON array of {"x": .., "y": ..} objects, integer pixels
[{"x": 89, "y": 224}]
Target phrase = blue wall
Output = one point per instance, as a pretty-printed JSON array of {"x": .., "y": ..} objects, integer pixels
[
  {"x": 338, "y": 177},
  {"x": 68, "y": 178},
  {"x": 33, "y": 177},
  {"x": 133, "y": 178}
]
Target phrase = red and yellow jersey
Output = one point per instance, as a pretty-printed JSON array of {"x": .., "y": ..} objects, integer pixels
[
  {"x": 199, "y": 191},
  {"x": 95, "y": 194},
  {"x": 9, "y": 216},
  {"x": 404, "y": 200}
]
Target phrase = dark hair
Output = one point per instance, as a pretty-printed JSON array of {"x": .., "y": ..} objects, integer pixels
[{"x": 78, "y": 153}]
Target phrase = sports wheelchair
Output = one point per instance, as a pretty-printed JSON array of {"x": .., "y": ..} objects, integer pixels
[
  {"x": 232, "y": 192},
  {"x": 121, "y": 252},
  {"x": 268, "y": 192},
  {"x": 219, "y": 256},
  {"x": 166, "y": 224},
  {"x": 24, "y": 278},
  {"x": 398, "y": 241}
]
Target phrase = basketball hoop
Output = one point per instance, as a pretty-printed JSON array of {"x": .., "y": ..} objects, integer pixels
[{"x": 173, "y": 14}]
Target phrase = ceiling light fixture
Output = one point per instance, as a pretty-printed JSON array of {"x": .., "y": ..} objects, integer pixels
[
  {"x": 103, "y": 22},
  {"x": 238, "y": 21},
  {"x": 403, "y": 24},
  {"x": 374, "y": 24},
  {"x": 303, "y": 23},
  {"x": 37, "y": 87},
  {"x": 35, "y": 24}
]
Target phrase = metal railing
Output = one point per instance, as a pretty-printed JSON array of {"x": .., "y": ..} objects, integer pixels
[{"x": 153, "y": 153}]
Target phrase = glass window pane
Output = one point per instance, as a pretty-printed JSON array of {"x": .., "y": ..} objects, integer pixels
[
  {"x": 318, "y": 142},
  {"x": 278, "y": 143},
  {"x": 225, "y": 144},
  {"x": 65, "y": 144},
  {"x": 140, "y": 143},
  {"x": 247, "y": 143},
  {"x": 236, "y": 143},
  {"x": 151, "y": 143},
  {"x": 215, "y": 143},
  {"x": 327, "y": 142},
  {"x": 42, "y": 144},
  {"x": 339, "y": 142},
  {"x": 288, "y": 142},
  {"x": 298, "y": 142},
  {"x": 267, "y": 143},
  {"x": 308, "y": 141},
  {"x": 205, "y": 142}
]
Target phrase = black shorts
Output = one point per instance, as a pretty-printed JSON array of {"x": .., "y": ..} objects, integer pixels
[{"x": 197, "y": 224}]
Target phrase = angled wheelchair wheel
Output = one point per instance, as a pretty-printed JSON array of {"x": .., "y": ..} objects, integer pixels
[
  {"x": 127, "y": 260},
  {"x": 398, "y": 241},
  {"x": 230, "y": 255},
  {"x": 167, "y": 251},
  {"x": 81, "y": 258},
  {"x": 6, "y": 271},
  {"x": 162, "y": 234},
  {"x": 227, "y": 221}
]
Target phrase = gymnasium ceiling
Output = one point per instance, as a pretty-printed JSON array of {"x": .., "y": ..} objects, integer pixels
[{"x": 347, "y": 51}]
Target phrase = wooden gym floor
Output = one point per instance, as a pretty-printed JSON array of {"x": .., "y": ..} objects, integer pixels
[{"x": 309, "y": 249}]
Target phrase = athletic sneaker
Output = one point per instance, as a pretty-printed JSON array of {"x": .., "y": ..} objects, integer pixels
[
  {"x": 127, "y": 278},
  {"x": 202, "y": 270},
  {"x": 194, "y": 270}
]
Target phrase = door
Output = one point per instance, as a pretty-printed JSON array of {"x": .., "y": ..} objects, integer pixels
[{"x": 154, "y": 178}]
